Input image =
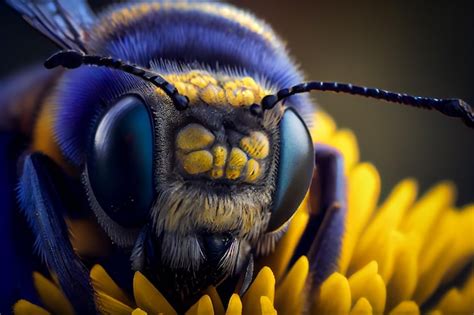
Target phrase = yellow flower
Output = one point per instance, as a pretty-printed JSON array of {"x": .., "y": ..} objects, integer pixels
[{"x": 394, "y": 258}]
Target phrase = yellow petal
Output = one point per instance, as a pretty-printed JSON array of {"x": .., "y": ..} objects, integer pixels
[
  {"x": 51, "y": 296},
  {"x": 362, "y": 307},
  {"x": 108, "y": 305},
  {"x": 464, "y": 246},
  {"x": 289, "y": 297},
  {"x": 201, "y": 307},
  {"x": 334, "y": 296},
  {"x": 427, "y": 210},
  {"x": 379, "y": 239},
  {"x": 460, "y": 301},
  {"x": 406, "y": 308},
  {"x": 148, "y": 298},
  {"x": 345, "y": 141},
  {"x": 216, "y": 300},
  {"x": 267, "y": 306},
  {"x": 101, "y": 281},
  {"x": 467, "y": 293},
  {"x": 363, "y": 193},
  {"x": 278, "y": 261},
  {"x": 440, "y": 242},
  {"x": 235, "y": 305},
  {"x": 369, "y": 284},
  {"x": 324, "y": 127},
  {"x": 263, "y": 285},
  {"x": 453, "y": 251},
  {"x": 451, "y": 303},
  {"x": 404, "y": 279},
  {"x": 138, "y": 311},
  {"x": 23, "y": 307}
]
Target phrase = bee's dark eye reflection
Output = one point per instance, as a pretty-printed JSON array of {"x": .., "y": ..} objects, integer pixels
[{"x": 120, "y": 162}]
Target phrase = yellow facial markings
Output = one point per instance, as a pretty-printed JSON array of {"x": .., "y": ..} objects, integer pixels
[
  {"x": 248, "y": 97},
  {"x": 200, "y": 152},
  {"x": 217, "y": 172},
  {"x": 187, "y": 89},
  {"x": 237, "y": 161},
  {"x": 197, "y": 162},
  {"x": 219, "y": 153},
  {"x": 216, "y": 89},
  {"x": 253, "y": 171},
  {"x": 212, "y": 95},
  {"x": 194, "y": 137},
  {"x": 256, "y": 145}
]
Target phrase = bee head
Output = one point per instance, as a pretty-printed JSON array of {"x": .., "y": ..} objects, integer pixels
[{"x": 191, "y": 175}]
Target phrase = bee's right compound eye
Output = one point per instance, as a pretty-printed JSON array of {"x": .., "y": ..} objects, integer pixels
[
  {"x": 120, "y": 162},
  {"x": 295, "y": 169}
]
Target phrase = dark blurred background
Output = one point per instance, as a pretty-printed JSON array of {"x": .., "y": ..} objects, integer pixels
[{"x": 414, "y": 46}]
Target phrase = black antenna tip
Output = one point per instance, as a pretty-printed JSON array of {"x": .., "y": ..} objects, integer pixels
[
  {"x": 70, "y": 59},
  {"x": 269, "y": 101},
  {"x": 180, "y": 101}
]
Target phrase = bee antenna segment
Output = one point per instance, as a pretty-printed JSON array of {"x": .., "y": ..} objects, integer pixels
[
  {"x": 450, "y": 107},
  {"x": 72, "y": 59}
]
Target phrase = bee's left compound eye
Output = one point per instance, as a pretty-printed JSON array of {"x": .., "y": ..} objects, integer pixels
[{"x": 120, "y": 162}]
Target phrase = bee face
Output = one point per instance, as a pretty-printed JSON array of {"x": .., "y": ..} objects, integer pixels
[{"x": 185, "y": 190}]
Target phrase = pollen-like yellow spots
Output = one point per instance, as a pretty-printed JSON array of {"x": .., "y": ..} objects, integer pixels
[
  {"x": 220, "y": 155},
  {"x": 242, "y": 92},
  {"x": 216, "y": 89},
  {"x": 200, "y": 152},
  {"x": 212, "y": 94},
  {"x": 256, "y": 145},
  {"x": 194, "y": 137},
  {"x": 247, "y": 97},
  {"x": 237, "y": 161},
  {"x": 253, "y": 171},
  {"x": 217, "y": 172},
  {"x": 187, "y": 89},
  {"x": 197, "y": 162}
]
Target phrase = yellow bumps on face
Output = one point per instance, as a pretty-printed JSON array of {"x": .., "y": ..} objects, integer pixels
[
  {"x": 256, "y": 145},
  {"x": 247, "y": 97},
  {"x": 253, "y": 171},
  {"x": 202, "y": 81},
  {"x": 233, "y": 98},
  {"x": 194, "y": 137},
  {"x": 197, "y": 162},
  {"x": 243, "y": 92},
  {"x": 213, "y": 95},
  {"x": 216, "y": 89},
  {"x": 187, "y": 89},
  {"x": 237, "y": 161},
  {"x": 250, "y": 83},
  {"x": 217, "y": 172},
  {"x": 219, "y": 153}
]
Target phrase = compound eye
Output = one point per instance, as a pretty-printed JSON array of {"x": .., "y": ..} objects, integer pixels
[
  {"x": 295, "y": 169},
  {"x": 120, "y": 162}
]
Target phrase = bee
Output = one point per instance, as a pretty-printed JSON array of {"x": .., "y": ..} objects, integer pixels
[{"x": 176, "y": 144}]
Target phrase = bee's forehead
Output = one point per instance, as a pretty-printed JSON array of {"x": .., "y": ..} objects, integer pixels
[{"x": 217, "y": 89}]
